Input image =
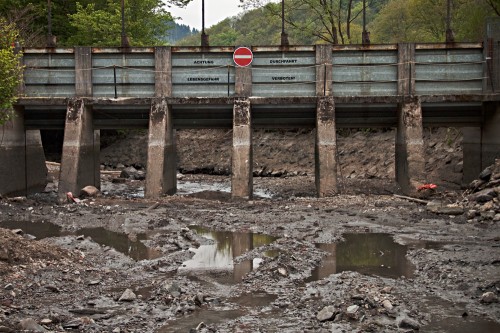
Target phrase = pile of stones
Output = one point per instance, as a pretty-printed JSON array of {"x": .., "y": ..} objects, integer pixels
[{"x": 484, "y": 195}]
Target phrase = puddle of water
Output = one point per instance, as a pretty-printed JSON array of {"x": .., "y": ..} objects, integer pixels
[
  {"x": 212, "y": 191},
  {"x": 370, "y": 254},
  {"x": 219, "y": 256},
  {"x": 130, "y": 246},
  {"x": 447, "y": 317},
  {"x": 245, "y": 302}
]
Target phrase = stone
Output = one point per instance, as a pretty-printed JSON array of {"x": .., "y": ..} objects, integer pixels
[
  {"x": 127, "y": 296},
  {"x": 327, "y": 313},
  {"x": 46, "y": 321},
  {"x": 129, "y": 172},
  {"x": 483, "y": 196},
  {"x": 486, "y": 173},
  {"x": 180, "y": 176},
  {"x": 409, "y": 323},
  {"x": 387, "y": 305},
  {"x": 6, "y": 329},
  {"x": 120, "y": 166},
  {"x": 282, "y": 271},
  {"x": 89, "y": 191},
  {"x": 438, "y": 208},
  {"x": 9, "y": 286},
  {"x": 29, "y": 324},
  {"x": 489, "y": 297},
  {"x": 352, "y": 309},
  {"x": 475, "y": 184}
]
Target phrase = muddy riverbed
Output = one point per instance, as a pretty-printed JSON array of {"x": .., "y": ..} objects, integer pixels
[{"x": 362, "y": 261}]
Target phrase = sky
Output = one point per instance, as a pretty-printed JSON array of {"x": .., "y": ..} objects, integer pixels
[{"x": 215, "y": 11}]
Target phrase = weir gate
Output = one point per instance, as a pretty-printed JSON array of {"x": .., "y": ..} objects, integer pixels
[{"x": 407, "y": 86}]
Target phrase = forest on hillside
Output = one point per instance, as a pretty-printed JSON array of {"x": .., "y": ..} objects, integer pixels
[
  {"x": 149, "y": 22},
  {"x": 341, "y": 22}
]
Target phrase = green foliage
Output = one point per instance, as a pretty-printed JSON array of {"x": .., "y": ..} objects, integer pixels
[
  {"x": 425, "y": 20},
  {"x": 10, "y": 70},
  {"x": 146, "y": 23}
]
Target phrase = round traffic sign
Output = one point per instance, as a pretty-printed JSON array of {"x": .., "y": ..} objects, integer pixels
[{"x": 242, "y": 56}]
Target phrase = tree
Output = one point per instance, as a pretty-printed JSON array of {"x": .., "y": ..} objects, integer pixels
[
  {"x": 10, "y": 69},
  {"x": 146, "y": 23},
  {"x": 330, "y": 21},
  {"x": 425, "y": 20}
]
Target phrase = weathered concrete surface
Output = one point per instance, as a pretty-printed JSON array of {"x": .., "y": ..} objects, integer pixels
[
  {"x": 490, "y": 136},
  {"x": 78, "y": 161},
  {"x": 161, "y": 166},
  {"x": 471, "y": 149},
  {"x": 97, "y": 160},
  {"x": 410, "y": 161},
  {"x": 242, "y": 159},
  {"x": 22, "y": 167},
  {"x": 326, "y": 148}
]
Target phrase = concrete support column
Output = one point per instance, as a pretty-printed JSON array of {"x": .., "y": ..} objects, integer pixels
[
  {"x": 326, "y": 148},
  {"x": 471, "y": 149},
  {"x": 97, "y": 159},
  {"x": 22, "y": 168},
  {"x": 490, "y": 136},
  {"x": 410, "y": 161},
  {"x": 242, "y": 159},
  {"x": 78, "y": 162},
  {"x": 161, "y": 176}
]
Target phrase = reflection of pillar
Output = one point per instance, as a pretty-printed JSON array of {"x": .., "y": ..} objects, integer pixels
[
  {"x": 328, "y": 263},
  {"x": 241, "y": 244}
]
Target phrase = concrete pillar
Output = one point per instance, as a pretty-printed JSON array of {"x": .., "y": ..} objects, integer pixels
[
  {"x": 326, "y": 148},
  {"x": 97, "y": 159},
  {"x": 471, "y": 149},
  {"x": 324, "y": 59},
  {"x": 410, "y": 161},
  {"x": 161, "y": 176},
  {"x": 22, "y": 167},
  {"x": 490, "y": 136},
  {"x": 78, "y": 164},
  {"x": 242, "y": 159}
]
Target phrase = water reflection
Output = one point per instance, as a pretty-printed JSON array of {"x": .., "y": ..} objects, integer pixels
[
  {"x": 370, "y": 254},
  {"x": 129, "y": 245},
  {"x": 227, "y": 246}
]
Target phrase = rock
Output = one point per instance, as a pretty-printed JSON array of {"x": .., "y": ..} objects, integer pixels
[
  {"x": 387, "y": 305},
  {"x": 89, "y": 191},
  {"x": 17, "y": 231},
  {"x": 352, "y": 309},
  {"x": 29, "y": 324},
  {"x": 46, "y": 321},
  {"x": 120, "y": 166},
  {"x": 6, "y": 329},
  {"x": 327, "y": 313},
  {"x": 438, "y": 208},
  {"x": 129, "y": 172},
  {"x": 459, "y": 167},
  {"x": 282, "y": 271},
  {"x": 180, "y": 176},
  {"x": 173, "y": 289},
  {"x": 127, "y": 296},
  {"x": 489, "y": 298},
  {"x": 486, "y": 173},
  {"x": 475, "y": 184},
  {"x": 483, "y": 196},
  {"x": 140, "y": 175},
  {"x": 9, "y": 286},
  {"x": 409, "y": 323}
]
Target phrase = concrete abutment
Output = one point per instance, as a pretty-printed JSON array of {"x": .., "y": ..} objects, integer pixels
[
  {"x": 242, "y": 157},
  {"x": 22, "y": 168}
]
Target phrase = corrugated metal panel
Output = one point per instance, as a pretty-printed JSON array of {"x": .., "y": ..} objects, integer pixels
[
  {"x": 365, "y": 73},
  {"x": 283, "y": 74},
  {"x": 451, "y": 71},
  {"x": 202, "y": 75},
  {"x": 135, "y": 74},
  {"x": 49, "y": 75}
]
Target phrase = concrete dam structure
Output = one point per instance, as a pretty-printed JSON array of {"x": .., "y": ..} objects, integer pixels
[{"x": 406, "y": 86}]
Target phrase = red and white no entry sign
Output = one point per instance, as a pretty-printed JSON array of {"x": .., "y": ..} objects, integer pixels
[{"x": 242, "y": 56}]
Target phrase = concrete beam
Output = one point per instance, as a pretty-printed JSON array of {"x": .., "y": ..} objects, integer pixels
[
  {"x": 78, "y": 162},
  {"x": 242, "y": 159},
  {"x": 326, "y": 148},
  {"x": 22, "y": 170},
  {"x": 161, "y": 176},
  {"x": 410, "y": 161}
]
